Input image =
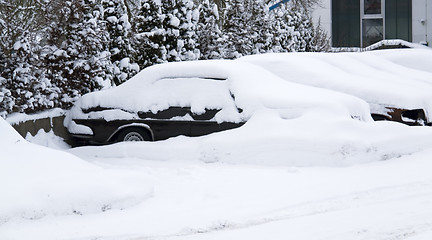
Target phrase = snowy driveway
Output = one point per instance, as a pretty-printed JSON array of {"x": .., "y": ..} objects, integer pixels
[
  {"x": 310, "y": 170},
  {"x": 195, "y": 200}
]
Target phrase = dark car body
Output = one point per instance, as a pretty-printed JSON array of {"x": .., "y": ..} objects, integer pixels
[
  {"x": 195, "y": 99},
  {"x": 152, "y": 109},
  {"x": 411, "y": 117},
  {"x": 390, "y": 81},
  {"x": 159, "y": 126}
]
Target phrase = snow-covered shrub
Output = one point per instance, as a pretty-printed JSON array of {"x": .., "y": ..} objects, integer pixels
[
  {"x": 210, "y": 38},
  {"x": 150, "y": 34},
  {"x": 75, "y": 58},
  {"x": 180, "y": 20},
  {"x": 294, "y": 31},
  {"x": 52, "y": 52},
  {"x": 166, "y": 32},
  {"x": 119, "y": 40},
  {"x": 236, "y": 29}
]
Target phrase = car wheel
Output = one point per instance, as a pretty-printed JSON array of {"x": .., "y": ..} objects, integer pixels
[{"x": 133, "y": 135}]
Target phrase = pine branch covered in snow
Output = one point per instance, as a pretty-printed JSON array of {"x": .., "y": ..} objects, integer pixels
[
  {"x": 150, "y": 34},
  {"x": 23, "y": 87},
  {"x": 294, "y": 31},
  {"x": 210, "y": 37},
  {"x": 181, "y": 18},
  {"x": 75, "y": 57},
  {"x": 52, "y": 51},
  {"x": 120, "y": 36}
]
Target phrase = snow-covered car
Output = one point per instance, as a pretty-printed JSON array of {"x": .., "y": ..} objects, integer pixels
[
  {"x": 397, "y": 83},
  {"x": 194, "y": 99}
]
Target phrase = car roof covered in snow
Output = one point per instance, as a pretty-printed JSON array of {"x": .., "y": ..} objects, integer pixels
[
  {"x": 387, "y": 78},
  {"x": 252, "y": 87}
]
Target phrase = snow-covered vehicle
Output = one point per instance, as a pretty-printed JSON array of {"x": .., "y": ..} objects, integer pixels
[
  {"x": 397, "y": 83},
  {"x": 194, "y": 99}
]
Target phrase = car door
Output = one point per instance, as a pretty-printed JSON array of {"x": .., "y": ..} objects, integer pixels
[
  {"x": 167, "y": 123},
  {"x": 188, "y": 106},
  {"x": 217, "y": 117}
]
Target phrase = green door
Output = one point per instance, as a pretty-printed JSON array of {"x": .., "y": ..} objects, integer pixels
[
  {"x": 398, "y": 19},
  {"x": 346, "y": 23}
]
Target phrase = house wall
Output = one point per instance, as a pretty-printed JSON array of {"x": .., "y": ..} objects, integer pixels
[
  {"x": 421, "y": 10},
  {"x": 322, "y": 14},
  {"x": 422, "y": 21}
]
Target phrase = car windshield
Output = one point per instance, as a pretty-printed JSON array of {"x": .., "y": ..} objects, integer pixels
[{"x": 197, "y": 93}]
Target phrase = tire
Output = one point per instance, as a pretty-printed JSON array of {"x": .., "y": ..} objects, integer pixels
[{"x": 133, "y": 135}]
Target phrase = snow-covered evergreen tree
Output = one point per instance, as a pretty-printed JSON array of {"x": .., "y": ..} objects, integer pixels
[
  {"x": 320, "y": 41},
  {"x": 6, "y": 100},
  {"x": 285, "y": 32},
  {"x": 23, "y": 87},
  {"x": 236, "y": 30},
  {"x": 210, "y": 38},
  {"x": 27, "y": 87},
  {"x": 120, "y": 46},
  {"x": 53, "y": 51},
  {"x": 247, "y": 28},
  {"x": 180, "y": 21},
  {"x": 259, "y": 24},
  {"x": 303, "y": 28},
  {"x": 150, "y": 34},
  {"x": 294, "y": 30},
  {"x": 75, "y": 56}
]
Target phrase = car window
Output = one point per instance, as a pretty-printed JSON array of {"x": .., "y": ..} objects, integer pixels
[{"x": 197, "y": 93}]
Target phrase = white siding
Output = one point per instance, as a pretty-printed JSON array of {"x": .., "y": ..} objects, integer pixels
[
  {"x": 421, "y": 9},
  {"x": 420, "y": 20},
  {"x": 322, "y": 13}
]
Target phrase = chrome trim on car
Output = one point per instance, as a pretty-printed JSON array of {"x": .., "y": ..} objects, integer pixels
[
  {"x": 147, "y": 127},
  {"x": 82, "y": 136}
]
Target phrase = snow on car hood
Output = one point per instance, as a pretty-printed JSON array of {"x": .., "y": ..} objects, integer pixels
[
  {"x": 218, "y": 83},
  {"x": 395, "y": 78}
]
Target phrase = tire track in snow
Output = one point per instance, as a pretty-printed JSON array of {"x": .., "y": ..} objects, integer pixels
[{"x": 354, "y": 200}]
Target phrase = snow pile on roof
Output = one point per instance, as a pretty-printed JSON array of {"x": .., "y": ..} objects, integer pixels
[
  {"x": 39, "y": 181},
  {"x": 380, "y": 78},
  {"x": 417, "y": 59},
  {"x": 253, "y": 88},
  {"x": 393, "y": 44}
]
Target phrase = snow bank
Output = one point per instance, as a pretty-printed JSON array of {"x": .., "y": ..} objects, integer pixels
[
  {"x": 289, "y": 123},
  {"x": 15, "y": 118},
  {"x": 36, "y": 181},
  {"x": 209, "y": 85},
  {"x": 394, "y": 78},
  {"x": 47, "y": 139},
  {"x": 418, "y": 59},
  {"x": 315, "y": 138}
]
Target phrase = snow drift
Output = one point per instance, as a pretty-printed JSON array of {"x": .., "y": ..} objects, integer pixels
[
  {"x": 36, "y": 181},
  {"x": 399, "y": 78},
  {"x": 217, "y": 83}
]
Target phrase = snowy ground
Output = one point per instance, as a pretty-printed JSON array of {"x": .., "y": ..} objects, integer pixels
[
  {"x": 181, "y": 191},
  {"x": 314, "y": 175}
]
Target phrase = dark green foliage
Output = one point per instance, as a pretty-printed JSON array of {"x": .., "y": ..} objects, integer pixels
[
  {"x": 179, "y": 22},
  {"x": 116, "y": 17},
  {"x": 210, "y": 38},
  {"x": 54, "y": 51},
  {"x": 150, "y": 34},
  {"x": 75, "y": 57}
]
